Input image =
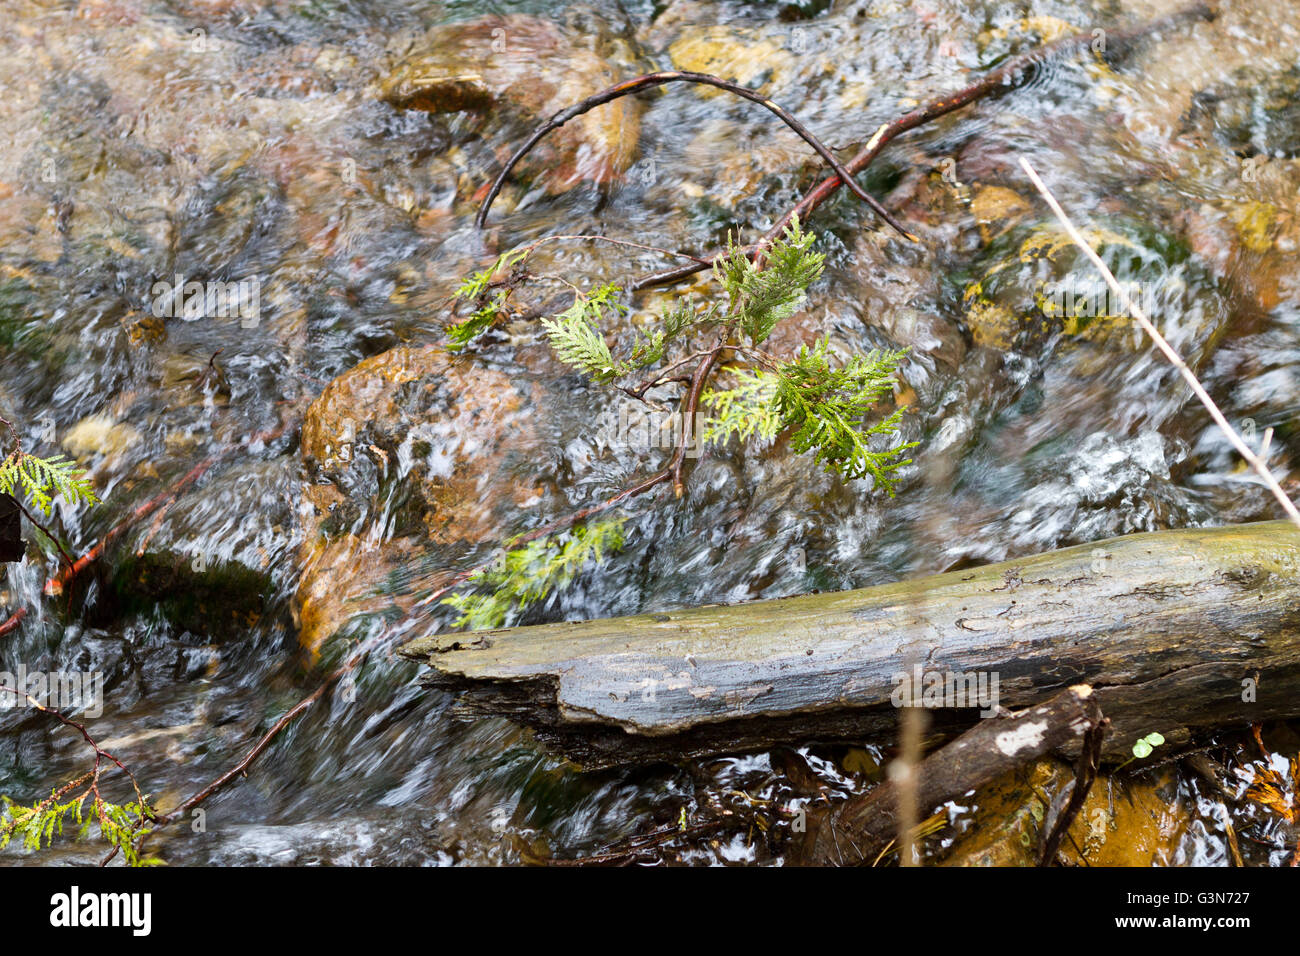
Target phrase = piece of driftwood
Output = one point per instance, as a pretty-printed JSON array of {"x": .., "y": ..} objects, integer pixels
[
  {"x": 1176, "y": 630},
  {"x": 856, "y": 831}
]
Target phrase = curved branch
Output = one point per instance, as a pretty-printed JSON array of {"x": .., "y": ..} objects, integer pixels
[
  {"x": 1010, "y": 75},
  {"x": 649, "y": 80}
]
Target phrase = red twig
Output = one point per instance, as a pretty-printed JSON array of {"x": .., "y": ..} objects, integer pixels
[
  {"x": 1010, "y": 75},
  {"x": 93, "y": 775}
]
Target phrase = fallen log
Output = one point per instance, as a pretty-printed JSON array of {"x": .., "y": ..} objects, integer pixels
[
  {"x": 1177, "y": 631},
  {"x": 857, "y": 830}
]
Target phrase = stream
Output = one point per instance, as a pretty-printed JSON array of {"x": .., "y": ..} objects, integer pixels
[{"x": 297, "y": 152}]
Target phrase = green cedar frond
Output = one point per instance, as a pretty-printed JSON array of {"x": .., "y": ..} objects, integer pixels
[
  {"x": 824, "y": 408},
  {"x": 42, "y": 478},
  {"x": 477, "y": 284},
  {"x": 467, "y": 330},
  {"x": 677, "y": 321},
  {"x": 488, "y": 311},
  {"x": 528, "y": 574},
  {"x": 762, "y": 298},
  {"x": 576, "y": 338},
  {"x": 742, "y": 411},
  {"x": 120, "y": 825}
]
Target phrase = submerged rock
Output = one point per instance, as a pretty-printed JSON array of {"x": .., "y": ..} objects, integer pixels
[
  {"x": 532, "y": 68},
  {"x": 210, "y": 560},
  {"x": 1257, "y": 112},
  {"x": 1142, "y": 821},
  {"x": 1038, "y": 286},
  {"x": 411, "y": 457}
]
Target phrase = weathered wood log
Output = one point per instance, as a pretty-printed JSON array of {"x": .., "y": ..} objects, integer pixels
[
  {"x": 1178, "y": 631},
  {"x": 857, "y": 830}
]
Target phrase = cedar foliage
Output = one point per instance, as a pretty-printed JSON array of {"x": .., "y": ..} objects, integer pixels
[{"x": 824, "y": 404}]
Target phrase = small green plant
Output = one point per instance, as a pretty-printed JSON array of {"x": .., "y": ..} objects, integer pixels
[
  {"x": 41, "y": 479},
  {"x": 822, "y": 407},
  {"x": 823, "y": 403},
  {"x": 122, "y": 826},
  {"x": 1143, "y": 748},
  {"x": 523, "y": 576}
]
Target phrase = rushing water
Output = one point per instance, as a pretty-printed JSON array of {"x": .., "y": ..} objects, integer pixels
[{"x": 245, "y": 140}]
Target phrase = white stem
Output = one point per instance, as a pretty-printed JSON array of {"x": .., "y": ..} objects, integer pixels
[{"x": 1243, "y": 449}]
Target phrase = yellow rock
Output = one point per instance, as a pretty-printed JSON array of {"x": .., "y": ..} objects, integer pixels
[
  {"x": 99, "y": 435},
  {"x": 997, "y": 206},
  {"x": 730, "y": 54},
  {"x": 1131, "y": 823},
  {"x": 992, "y": 325},
  {"x": 1003, "y": 828},
  {"x": 1047, "y": 29},
  {"x": 1255, "y": 224}
]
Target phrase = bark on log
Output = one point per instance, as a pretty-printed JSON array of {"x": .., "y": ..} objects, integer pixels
[{"x": 1176, "y": 631}]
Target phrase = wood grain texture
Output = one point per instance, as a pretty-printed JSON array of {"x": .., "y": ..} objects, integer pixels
[{"x": 1165, "y": 626}]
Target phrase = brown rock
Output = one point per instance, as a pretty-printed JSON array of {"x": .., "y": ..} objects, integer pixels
[
  {"x": 1137, "y": 822},
  {"x": 411, "y": 455},
  {"x": 533, "y": 68}
]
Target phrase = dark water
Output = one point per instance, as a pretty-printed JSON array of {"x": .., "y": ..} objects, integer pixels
[{"x": 247, "y": 141}]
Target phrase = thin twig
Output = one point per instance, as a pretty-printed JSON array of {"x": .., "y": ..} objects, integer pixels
[
  {"x": 1260, "y": 466},
  {"x": 63, "y": 552},
  {"x": 1010, "y": 75},
  {"x": 649, "y": 80},
  {"x": 1085, "y": 772},
  {"x": 92, "y": 776}
]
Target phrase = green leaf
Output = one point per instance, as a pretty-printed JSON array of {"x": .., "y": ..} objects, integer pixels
[
  {"x": 576, "y": 339},
  {"x": 41, "y": 479},
  {"x": 762, "y": 298},
  {"x": 528, "y": 574},
  {"x": 825, "y": 409},
  {"x": 460, "y": 334},
  {"x": 748, "y": 409}
]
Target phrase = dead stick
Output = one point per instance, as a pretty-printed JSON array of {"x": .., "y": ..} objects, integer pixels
[
  {"x": 648, "y": 80},
  {"x": 1010, "y": 75},
  {"x": 861, "y": 826},
  {"x": 1176, "y": 360},
  {"x": 1085, "y": 773}
]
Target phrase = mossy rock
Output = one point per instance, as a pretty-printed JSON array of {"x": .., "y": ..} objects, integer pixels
[
  {"x": 209, "y": 564},
  {"x": 1036, "y": 288},
  {"x": 221, "y": 599}
]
